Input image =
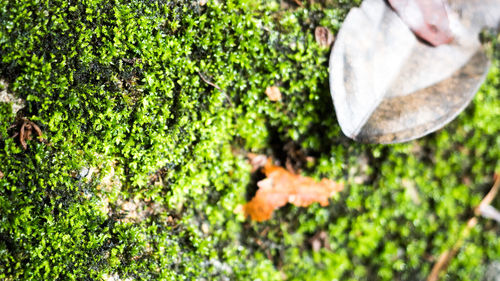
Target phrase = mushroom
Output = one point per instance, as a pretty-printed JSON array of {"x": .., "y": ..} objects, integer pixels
[{"x": 388, "y": 85}]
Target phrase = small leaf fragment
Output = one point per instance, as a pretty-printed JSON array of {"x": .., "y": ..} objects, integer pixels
[
  {"x": 323, "y": 36},
  {"x": 257, "y": 161},
  {"x": 273, "y": 93},
  {"x": 282, "y": 187}
]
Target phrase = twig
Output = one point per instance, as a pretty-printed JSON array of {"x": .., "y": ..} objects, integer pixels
[
  {"x": 22, "y": 137},
  {"x": 490, "y": 196},
  {"x": 208, "y": 82},
  {"x": 298, "y": 3},
  {"x": 489, "y": 212},
  {"x": 446, "y": 256},
  {"x": 215, "y": 86}
]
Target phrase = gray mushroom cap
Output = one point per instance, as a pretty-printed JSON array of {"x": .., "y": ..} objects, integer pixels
[{"x": 387, "y": 86}]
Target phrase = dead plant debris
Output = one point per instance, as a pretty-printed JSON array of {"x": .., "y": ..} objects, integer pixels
[
  {"x": 257, "y": 161},
  {"x": 273, "y": 93},
  {"x": 282, "y": 187},
  {"x": 320, "y": 241},
  {"x": 26, "y": 132},
  {"x": 324, "y": 37},
  {"x": 445, "y": 258}
]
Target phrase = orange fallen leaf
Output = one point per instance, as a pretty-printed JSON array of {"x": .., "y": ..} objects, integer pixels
[
  {"x": 273, "y": 93},
  {"x": 282, "y": 187}
]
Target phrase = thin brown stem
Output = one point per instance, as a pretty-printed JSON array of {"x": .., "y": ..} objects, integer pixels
[
  {"x": 22, "y": 136},
  {"x": 445, "y": 258},
  {"x": 490, "y": 196},
  {"x": 208, "y": 82},
  {"x": 215, "y": 86}
]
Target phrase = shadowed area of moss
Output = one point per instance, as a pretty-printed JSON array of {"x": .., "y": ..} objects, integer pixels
[{"x": 145, "y": 159}]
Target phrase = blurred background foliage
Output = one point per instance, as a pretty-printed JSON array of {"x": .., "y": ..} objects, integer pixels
[{"x": 146, "y": 162}]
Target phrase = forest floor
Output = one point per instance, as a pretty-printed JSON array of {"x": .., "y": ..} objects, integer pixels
[{"x": 148, "y": 111}]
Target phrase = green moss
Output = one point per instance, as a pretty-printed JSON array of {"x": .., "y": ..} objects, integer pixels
[{"x": 145, "y": 161}]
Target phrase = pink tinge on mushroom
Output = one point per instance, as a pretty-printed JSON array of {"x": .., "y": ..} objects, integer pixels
[{"x": 428, "y": 19}]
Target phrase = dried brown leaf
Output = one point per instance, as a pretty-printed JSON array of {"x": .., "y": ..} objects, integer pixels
[
  {"x": 323, "y": 36},
  {"x": 273, "y": 93},
  {"x": 282, "y": 187},
  {"x": 427, "y": 88}
]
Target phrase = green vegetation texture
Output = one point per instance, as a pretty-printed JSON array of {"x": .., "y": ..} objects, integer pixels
[{"x": 145, "y": 162}]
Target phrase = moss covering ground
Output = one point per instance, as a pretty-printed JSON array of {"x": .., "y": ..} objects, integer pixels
[{"x": 145, "y": 162}]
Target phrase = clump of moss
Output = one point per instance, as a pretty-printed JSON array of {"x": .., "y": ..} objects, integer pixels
[{"x": 145, "y": 160}]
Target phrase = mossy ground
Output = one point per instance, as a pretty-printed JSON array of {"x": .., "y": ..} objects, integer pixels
[{"x": 145, "y": 162}]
